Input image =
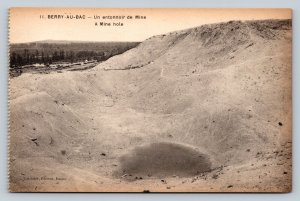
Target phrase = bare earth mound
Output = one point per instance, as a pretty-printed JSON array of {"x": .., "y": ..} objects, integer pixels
[{"x": 223, "y": 89}]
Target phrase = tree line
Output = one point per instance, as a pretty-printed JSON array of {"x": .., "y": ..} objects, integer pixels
[
  {"x": 40, "y": 57},
  {"x": 48, "y": 52}
]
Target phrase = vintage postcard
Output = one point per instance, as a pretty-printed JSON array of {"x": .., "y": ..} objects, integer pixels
[{"x": 150, "y": 100}]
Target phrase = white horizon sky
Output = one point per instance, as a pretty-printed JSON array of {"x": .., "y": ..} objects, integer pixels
[{"x": 26, "y": 25}]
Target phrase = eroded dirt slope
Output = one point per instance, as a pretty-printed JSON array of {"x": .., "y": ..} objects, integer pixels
[{"x": 220, "y": 90}]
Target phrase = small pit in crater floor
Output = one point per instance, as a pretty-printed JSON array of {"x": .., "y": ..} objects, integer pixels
[{"x": 162, "y": 160}]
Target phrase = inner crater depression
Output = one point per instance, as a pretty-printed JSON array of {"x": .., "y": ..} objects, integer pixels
[{"x": 163, "y": 159}]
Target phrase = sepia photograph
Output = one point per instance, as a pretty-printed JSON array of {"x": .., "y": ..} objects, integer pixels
[{"x": 150, "y": 100}]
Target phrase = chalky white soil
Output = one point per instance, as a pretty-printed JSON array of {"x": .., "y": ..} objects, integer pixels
[{"x": 204, "y": 109}]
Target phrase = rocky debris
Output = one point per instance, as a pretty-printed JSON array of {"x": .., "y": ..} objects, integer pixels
[
  {"x": 34, "y": 140},
  {"x": 63, "y": 152},
  {"x": 215, "y": 176},
  {"x": 251, "y": 44}
]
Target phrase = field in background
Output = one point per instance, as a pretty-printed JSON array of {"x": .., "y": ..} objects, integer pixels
[{"x": 52, "y": 55}]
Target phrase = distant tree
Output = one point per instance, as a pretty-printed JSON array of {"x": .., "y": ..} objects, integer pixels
[
  {"x": 50, "y": 60},
  {"x": 43, "y": 58},
  {"x": 32, "y": 59},
  {"x": 19, "y": 60},
  {"x": 37, "y": 57},
  {"x": 13, "y": 59},
  {"x": 61, "y": 55},
  {"x": 72, "y": 56},
  {"x": 47, "y": 60},
  {"x": 55, "y": 56}
]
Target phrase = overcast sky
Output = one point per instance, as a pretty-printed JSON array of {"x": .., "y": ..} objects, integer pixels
[{"x": 27, "y": 26}]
